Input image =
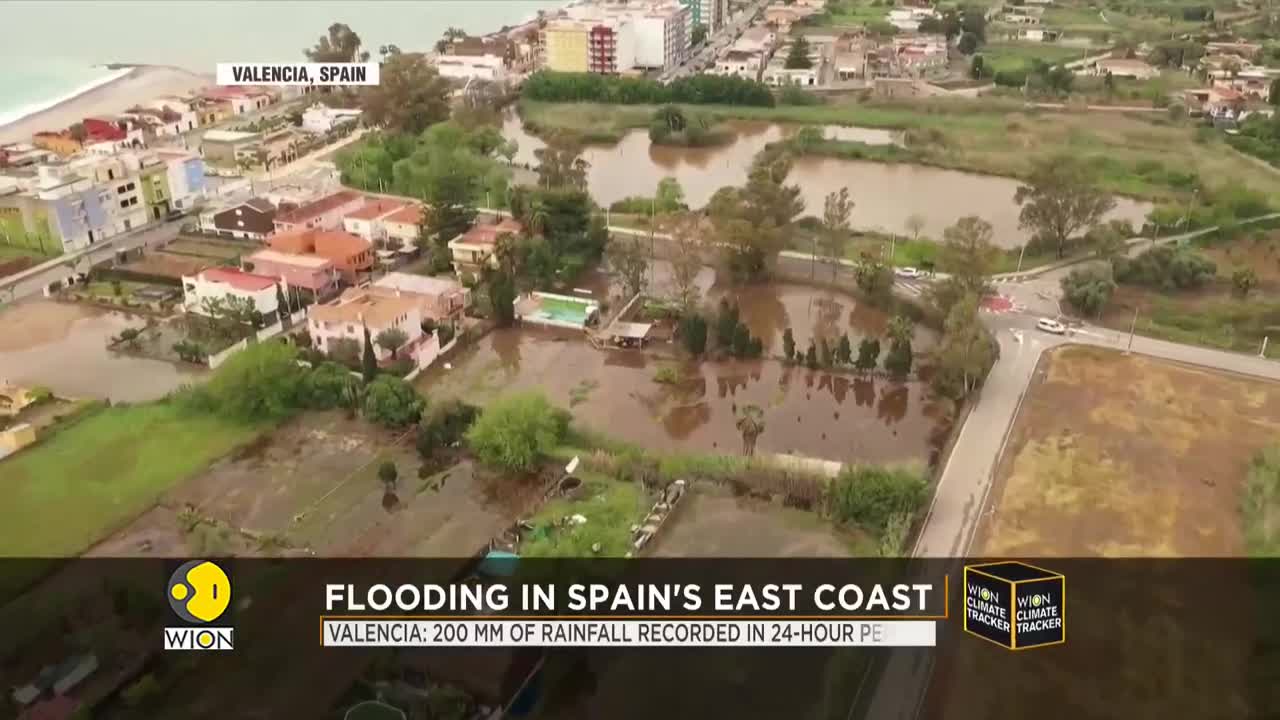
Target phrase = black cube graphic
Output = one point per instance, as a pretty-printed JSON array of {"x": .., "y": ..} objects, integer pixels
[{"x": 1014, "y": 604}]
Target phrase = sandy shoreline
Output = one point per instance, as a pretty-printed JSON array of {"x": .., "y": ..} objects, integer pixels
[{"x": 141, "y": 84}]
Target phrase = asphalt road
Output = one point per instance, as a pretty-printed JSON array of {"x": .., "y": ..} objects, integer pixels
[{"x": 11, "y": 290}]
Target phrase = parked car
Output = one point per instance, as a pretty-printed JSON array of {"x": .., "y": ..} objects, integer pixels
[
  {"x": 908, "y": 272},
  {"x": 1050, "y": 325}
]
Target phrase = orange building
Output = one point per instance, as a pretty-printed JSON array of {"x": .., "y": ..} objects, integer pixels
[{"x": 350, "y": 254}]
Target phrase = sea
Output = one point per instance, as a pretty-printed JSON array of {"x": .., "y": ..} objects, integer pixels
[{"x": 53, "y": 51}]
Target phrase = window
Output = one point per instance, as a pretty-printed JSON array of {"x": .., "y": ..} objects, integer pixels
[
  {"x": 124, "y": 203},
  {"x": 130, "y": 186}
]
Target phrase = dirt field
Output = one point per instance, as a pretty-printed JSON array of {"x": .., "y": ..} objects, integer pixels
[
  {"x": 312, "y": 486},
  {"x": 1124, "y": 457},
  {"x": 713, "y": 523},
  {"x": 1127, "y": 456}
]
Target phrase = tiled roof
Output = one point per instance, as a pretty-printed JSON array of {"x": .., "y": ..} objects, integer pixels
[
  {"x": 375, "y": 208},
  {"x": 333, "y": 244},
  {"x": 488, "y": 234},
  {"x": 319, "y": 207},
  {"x": 238, "y": 279},
  {"x": 375, "y": 307},
  {"x": 312, "y": 262}
]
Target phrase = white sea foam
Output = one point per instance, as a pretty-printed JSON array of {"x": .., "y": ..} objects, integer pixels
[{"x": 19, "y": 113}]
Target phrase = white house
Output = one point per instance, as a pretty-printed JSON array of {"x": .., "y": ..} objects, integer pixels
[
  {"x": 321, "y": 119},
  {"x": 1126, "y": 68},
  {"x": 472, "y": 67},
  {"x": 218, "y": 283},
  {"x": 908, "y": 19},
  {"x": 741, "y": 63},
  {"x": 368, "y": 221}
]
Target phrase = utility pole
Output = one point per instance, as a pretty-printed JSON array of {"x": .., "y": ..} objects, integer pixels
[
  {"x": 1263, "y": 352},
  {"x": 1133, "y": 326}
]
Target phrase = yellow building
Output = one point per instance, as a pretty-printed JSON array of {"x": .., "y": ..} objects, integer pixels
[
  {"x": 566, "y": 43},
  {"x": 61, "y": 143}
]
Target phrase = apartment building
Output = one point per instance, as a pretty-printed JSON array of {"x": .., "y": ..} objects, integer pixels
[
  {"x": 614, "y": 37},
  {"x": 566, "y": 43},
  {"x": 711, "y": 14},
  {"x": 323, "y": 214},
  {"x": 611, "y": 46}
]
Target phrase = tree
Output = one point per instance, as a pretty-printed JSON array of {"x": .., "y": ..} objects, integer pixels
[
  {"x": 368, "y": 360},
  {"x": 516, "y": 431},
  {"x": 1109, "y": 241},
  {"x": 967, "y": 252},
  {"x": 811, "y": 357},
  {"x": 670, "y": 196},
  {"x": 754, "y": 222},
  {"x": 750, "y": 423},
  {"x": 1243, "y": 280},
  {"x": 693, "y": 333},
  {"x": 1273, "y": 93},
  {"x": 1088, "y": 289},
  {"x": 451, "y": 209},
  {"x": 391, "y": 402},
  {"x": 874, "y": 278},
  {"x": 326, "y": 386},
  {"x": 388, "y": 474},
  {"x": 261, "y": 382},
  {"x": 560, "y": 164},
  {"x": 410, "y": 95},
  {"x": 914, "y": 223},
  {"x": 686, "y": 264},
  {"x": 868, "y": 354},
  {"x": 627, "y": 257},
  {"x": 966, "y": 353},
  {"x": 78, "y": 132},
  {"x": 900, "y": 329},
  {"x": 391, "y": 340},
  {"x": 897, "y": 362},
  {"x": 788, "y": 345},
  {"x": 345, "y": 351},
  {"x": 873, "y": 496},
  {"x": 282, "y": 306},
  {"x": 824, "y": 352},
  {"x": 1059, "y": 200},
  {"x": 699, "y": 34},
  {"x": 798, "y": 57},
  {"x": 340, "y": 45},
  {"x": 502, "y": 297},
  {"x": 726, "y": 323},
  {"x": 967, "y": 44},
  {"x": 844, "y": 350},
  {"x": 976, "y": 67},
  {"x": 835, "y": 227}
]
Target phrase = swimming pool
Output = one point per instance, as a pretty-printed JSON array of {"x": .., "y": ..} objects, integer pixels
[{"x": 561, "y": 310}]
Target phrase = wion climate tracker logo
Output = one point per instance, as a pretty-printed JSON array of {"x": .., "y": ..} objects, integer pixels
[
  {"x": 1016, "y": 605},
  {"x": 199, "y": 593}
]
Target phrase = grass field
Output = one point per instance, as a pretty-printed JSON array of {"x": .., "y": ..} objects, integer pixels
[
  {"x": 611, "y": 507},
  {"x": 72, "y": 488},
  {"x": 9, "y": 252},
  {"x": 1007, "y": 56},
  {"x": 1131, "y": 154}
]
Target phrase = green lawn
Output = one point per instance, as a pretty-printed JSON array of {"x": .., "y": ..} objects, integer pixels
[
  {"x": 1013, "y": 56},
  {"x": 611, "y": 507},
  {"x": 10, "y": 252},
  {"x": 72, "y": 488}
]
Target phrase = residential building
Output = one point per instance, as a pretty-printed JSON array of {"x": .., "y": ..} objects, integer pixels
[
  {"x": 220, "y": 283},
  {"x": 492, "y": 68},
  {"x": 711, "y": 14},
  {"x": 1124, "y": 67},
  {"x": 351, "y": 255},
  {"x": 663, "y": 36},
  {"x": 312, "y": 276},
  {"x": 117, "y": 179},
  {"x": 908, "y": 19},
  {"x": 1254, "y": 83},
  {"x": 920, "y": 55},
  {"x": 270, "y": 151},
  {"x": 110, "y": 135},
  {"x": 781, "y": 17},
  {"x": 611, "y": 46},
  {"x": 757, "y": 38},
  {"x": 252, "y": 219},
  {"x": 60, "y": 143},
  {"x": 55, "y": 205},
  {"x": 24, "y": 155},
  {"x": 444, "y": 298},
  {"x": 1219, "y": 103},
  {"x": 565, "y": 43},
  {"x": 1022, "y": 16},
  {"x": 741, "y": 63},
  {"x": 402, "y": 225},
  {"x": 1247, "y": 50},
  {"x": 186, "y": 172},
  {"x": 1038, "y": 34},
  {"x": 367, "y": 221},
  {"x": 222, "y": 148},
  {"x": 473, "y": 249},
  {"x": 321, "y": 119},
  {"x": 323, "y": 214},
  {"x": 776, "y": 71},
  {"x": 376, "y": 309},
  {"x": 241, "y": 100}
]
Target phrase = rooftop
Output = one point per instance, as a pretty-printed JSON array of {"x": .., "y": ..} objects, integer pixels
[
  {"x": 313, "y": 262},
  {"x": 332, "y": 244},
  {"x": 238, "y": 279},
  {"x": 320, "y": 207},
  {"x": 419, "y": 284},
  {"x": 409, "y": 215},
  {"x": 373, "y": 306},
  {"x": 488, "y": 234},
  {"x": 229, "y": 136},
  {"x": 376, "y": 208}
]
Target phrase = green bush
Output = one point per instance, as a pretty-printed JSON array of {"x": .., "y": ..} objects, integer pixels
[
  {"x": 1261, "y": 504},
  {"x": 1089, "y": 289},
  {"x": 792, "y": 95},
  {"x": 1167, "y": 268},
  {"x": 392, "y": 402},
  {"x": 516, "y": 431},
  {"x": 551, "y": 86},
  {"x": 327, "y": 385},
  {"x": 872, "y": 496},
  {"x": 444, "y": 424},
  {"x": 261, "y": 382}
]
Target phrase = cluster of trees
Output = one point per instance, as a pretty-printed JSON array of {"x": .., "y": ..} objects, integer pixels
[
  {"x": 672, "y": 126},
  {"x": 550, "y": 86},
  {"x": 516, "y": 431},
  {"x": 838, "y": 353},
  {"x": 561, "y": 237},
  {"x": 754, "y": 222},
  {"x": 1260, "y": 136},
  {"x": 968, "y": 23},
  {"x": 879, "y": 499},
  {"x": 731, "y": 336},
  {"x": 1059, "y": 200},
  {"x": 1166, "y": 268},
  {"x": 669, "y": 198},
  {"x": 265, "y": 382},
  {"x": 1041, "y": 78}
]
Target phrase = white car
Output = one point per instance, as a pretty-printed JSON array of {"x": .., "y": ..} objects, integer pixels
[
  {"x": 1051, "y": 326},
  {"x": 908, "y": 272}
]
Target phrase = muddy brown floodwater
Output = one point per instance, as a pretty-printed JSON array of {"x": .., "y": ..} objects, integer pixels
[
  {"x": 64, "y": 347},
  {"x": 812, "y": 414},
  {"x": 885, "y": 195}
]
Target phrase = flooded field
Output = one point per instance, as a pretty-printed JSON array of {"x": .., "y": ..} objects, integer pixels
[
  {"x": 64, "y": 347},
  {"x": 885, "y": 194},
  {"x": 813, "y": 414}
]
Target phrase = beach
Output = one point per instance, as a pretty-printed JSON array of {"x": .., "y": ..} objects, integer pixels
[{"x": 140, "y": 84}]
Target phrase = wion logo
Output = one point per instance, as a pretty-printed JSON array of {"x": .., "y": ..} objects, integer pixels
[
  {"x": 1016, "y": 605},
  {"x": 199, "y": 594}
]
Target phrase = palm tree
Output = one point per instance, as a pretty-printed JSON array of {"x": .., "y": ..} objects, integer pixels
[
  {"x": 537, "y": 217},
  {"x": 901, "y": 329},
  {"x": 750, "y": 423}
]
